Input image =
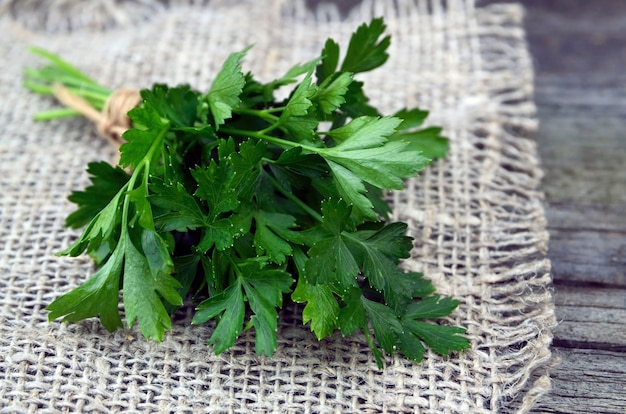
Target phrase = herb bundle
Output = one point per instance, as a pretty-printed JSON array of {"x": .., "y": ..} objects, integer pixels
[{"x": 243, "y": 202}]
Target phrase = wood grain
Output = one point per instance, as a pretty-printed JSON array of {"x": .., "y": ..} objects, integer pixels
[
  {"x": 590, "y": 318},
  {"x": 579, "y": 48},
  {"x": 587, "y": 381}
]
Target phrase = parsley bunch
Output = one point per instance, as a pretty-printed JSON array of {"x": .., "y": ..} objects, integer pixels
[{"x": 241, "y": 202}]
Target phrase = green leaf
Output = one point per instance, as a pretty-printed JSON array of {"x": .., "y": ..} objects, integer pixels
[
  {"x": 106, "y": 181},
  {"x": 98, "y": 296},
  {"x": 330, "y": 60},
  {"x": 431, "y": 307},
  {"x": 290, "y": 76},
  {"x": 179, "y": 209},
  {"x": 102, "y": 227},
  {"x": 143, "y": 209},
  {"x": 148, "y": 127},
  {"x": 160, "y": 263},
  {"x": 264, "y": 289},
  {"x": 335, "y": 215},
  {"x": 225, "y": 91},
  {"x": 300, "y": 101},
  {"x": 380, "y": 253},
  {"x": 411, "y": 118},
  {"x": 321, "y": 309},
  {"x": 428, "y": 142},
  {"x": 352, "y": 189},
  {"x": 307, "y": 165},
  {"x": 220, "y": 233},
  {"x": 300, "y": 128},
  {"x": 352, "y": 314},
  {"x": 440, "y": 338},
  {"x": 178, "y": 104},
  {"x": 331, "y": 262},
  {"x": 186, "y": 269},
  {"x": 385, "y": 323},
  {"x": 143, "y": 289},
  {"x": 411, "y": 347},
  {"x": 230, "y": 305},
  {"x": 246, "y": 167},
  {"x": 146, "y": 280},
  {"x": 272, "y": 235},
  {"x": 366, "y": 51},
  {"x": 215, "y": 187},
  {"x": 357, "y": 102},
  {"x": 330, "y": 259},
  {"x": 363, "y": 154},
  {"x": 362, "y": 133},
  {"x": 401, "y": 287},
  {"x": 331, "y": 92}
]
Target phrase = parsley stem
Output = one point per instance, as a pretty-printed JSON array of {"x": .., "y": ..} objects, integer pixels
[
  {"x": 265, "y": 114},
  {"x": 144, "y": 165},
  {"x": 55, "y": 114},
  {"x": 317, "y": 216},
  {"x": 269, "y": 138},
  {"x": 275, "y": 109}
]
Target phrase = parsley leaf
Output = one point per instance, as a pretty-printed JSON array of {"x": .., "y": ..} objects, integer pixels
[
  {"x": 106, "y": 183},
  {"x": 427, "y": 141},
  {"x": 331, "y": 93},
  {"x": 364, "y": 154},
  {"x": 321, "y": 309},
  {"x": 229, "y": 305},
  {"x": 144, "y": 286},
  {"x": 273, "y": 234},
  {"x": 98, "y": 296},
  {"x": 263, "y": 290},
  {"x": 366, "y": 50},
  {"x": 224, "y": 93}
]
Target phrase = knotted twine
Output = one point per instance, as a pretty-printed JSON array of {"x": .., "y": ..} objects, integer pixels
[{"x": 113, "y": 120}]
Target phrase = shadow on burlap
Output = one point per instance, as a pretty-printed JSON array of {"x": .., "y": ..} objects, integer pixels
[{"x": 477, "y": 216}]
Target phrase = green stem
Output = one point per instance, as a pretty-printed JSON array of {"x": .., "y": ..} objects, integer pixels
[
  {"x": 55, "y": 114},
  {"x": 61, "y": 64},
  {"x": 290, "y": 196},
  {"x": 144, "y": 165},
  {"x": 265, "y": 114},
  {"x": 269, "y": 138},
  {"x": 42, "y": 80}
]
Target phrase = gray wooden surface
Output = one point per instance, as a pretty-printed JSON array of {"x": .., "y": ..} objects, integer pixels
[{"x": 579, "y": 52}]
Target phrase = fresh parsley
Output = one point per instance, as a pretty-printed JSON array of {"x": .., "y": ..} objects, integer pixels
[{"x": 243, "y": 202}]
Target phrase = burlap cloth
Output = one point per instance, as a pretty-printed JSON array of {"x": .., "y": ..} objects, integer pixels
[{"x": 477, "y": 216}]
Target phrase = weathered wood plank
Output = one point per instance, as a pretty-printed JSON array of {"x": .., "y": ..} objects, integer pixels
[
  {"x": 578, "y": 48},
  {"x": 591, "y": 318},
  {"x": 583, "y": 151},
  {"x": 586, "y": 217},
  {"x": 580, "y": 92},
  {"x": 581, "y": 154},
  {"x": 593, "y": 255},
  {"x": 587, "y": 381}
]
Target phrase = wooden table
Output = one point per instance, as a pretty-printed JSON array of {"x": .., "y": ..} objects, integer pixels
[{"x": 579, "y": 52}]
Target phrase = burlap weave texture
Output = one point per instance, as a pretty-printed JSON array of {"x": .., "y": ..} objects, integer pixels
[{"x": 476, "y": 216}]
